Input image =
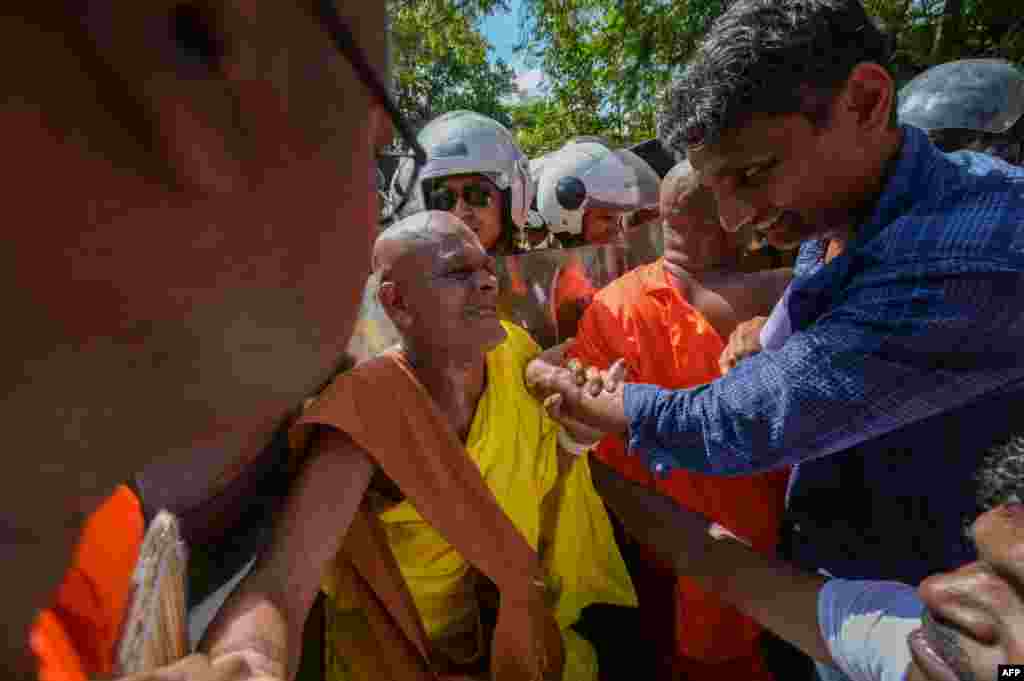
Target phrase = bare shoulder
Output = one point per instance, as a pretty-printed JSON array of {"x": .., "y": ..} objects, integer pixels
[
  {"x": 335, "y": 454},
  {"x": 768, "y": 287}
]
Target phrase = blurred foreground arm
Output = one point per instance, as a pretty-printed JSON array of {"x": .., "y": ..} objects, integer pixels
[
  {"x": 770, "y": 591},
  {"x": 262, "y": 621}
]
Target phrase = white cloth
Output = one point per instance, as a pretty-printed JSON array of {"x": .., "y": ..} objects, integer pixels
[{"x": 866, "y": 624}]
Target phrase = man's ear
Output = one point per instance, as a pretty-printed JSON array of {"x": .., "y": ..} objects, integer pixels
[
  {"x": 871, "y": 93},
  {"x": 390, "y": 297}
]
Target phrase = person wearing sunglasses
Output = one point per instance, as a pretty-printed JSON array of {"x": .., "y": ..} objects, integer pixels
[
  {"x": 475, "y": 170},
  {"x": 168, "y": 305}
]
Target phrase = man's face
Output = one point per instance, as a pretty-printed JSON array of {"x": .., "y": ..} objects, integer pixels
[
  {"x": 193, "y": 234},
  {"x": 454, "y": 308},
  {"x": 601, "y": 225},
  {"x": 478, "y": 203},
  {"x": 694, "y": 237},
  {"x": 783, "y": 175},
  {"x": 975, "y": 617}
]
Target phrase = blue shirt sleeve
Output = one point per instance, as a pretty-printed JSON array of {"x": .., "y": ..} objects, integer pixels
[
  {"x": 866, "y": 625},
  {"x": 897, "y": 345}
]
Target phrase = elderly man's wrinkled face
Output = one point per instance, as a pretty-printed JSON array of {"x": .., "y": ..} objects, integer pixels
[
  {"x": 975, "y": 618},
  {"x": 194, "y": 228},
  {"x": 453, "y": 303},
  {"x": 475, "y": 200},
  {"x": 694, "y": 237}
]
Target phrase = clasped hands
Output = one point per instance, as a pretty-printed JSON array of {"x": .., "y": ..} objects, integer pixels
[{"x": 564, "y": 384}]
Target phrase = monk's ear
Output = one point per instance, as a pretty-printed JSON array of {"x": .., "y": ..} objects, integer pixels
[{"x": 390, "y": 297}]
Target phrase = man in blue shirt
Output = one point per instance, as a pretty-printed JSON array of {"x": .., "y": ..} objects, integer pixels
[{"x": 906, "y": 358}]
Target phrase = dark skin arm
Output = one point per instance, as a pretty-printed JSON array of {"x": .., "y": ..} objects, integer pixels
[
  {"x": 262, "y": 620},
  {"x": 770, "y": 591}
]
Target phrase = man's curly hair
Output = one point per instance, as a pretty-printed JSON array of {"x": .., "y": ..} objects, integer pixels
[
  {"x": 1000, "y": 476},
  {"x": 768, "y": 57}
]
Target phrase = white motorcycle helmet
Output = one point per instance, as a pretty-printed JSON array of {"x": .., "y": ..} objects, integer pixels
[
  {"x": 468, "y": 143},
  {"x": 584, "y": 175}
]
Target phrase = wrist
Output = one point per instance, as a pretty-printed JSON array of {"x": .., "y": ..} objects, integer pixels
[{"x": 574, "y": 446}]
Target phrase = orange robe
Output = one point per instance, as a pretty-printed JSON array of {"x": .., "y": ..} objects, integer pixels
[
  {"x": 643, "y": 318},
  {"x": 76, "y": 637}
]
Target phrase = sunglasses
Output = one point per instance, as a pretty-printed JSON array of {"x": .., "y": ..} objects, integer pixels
[
  {"x": 445, "y": 198},
  {"x": 345, "y": 43}
]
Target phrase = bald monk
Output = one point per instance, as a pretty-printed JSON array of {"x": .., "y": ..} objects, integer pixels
[
  {"x": 669, "y": 321},
  {"x": 469, "y": 504}
]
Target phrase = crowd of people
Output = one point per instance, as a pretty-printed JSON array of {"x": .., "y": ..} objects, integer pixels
[{"x": 727, "y": 471}]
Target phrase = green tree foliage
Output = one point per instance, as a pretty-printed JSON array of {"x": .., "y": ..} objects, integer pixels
[
  {"x": 605, "y": 61},
  {"x": 440, "y": 59}
]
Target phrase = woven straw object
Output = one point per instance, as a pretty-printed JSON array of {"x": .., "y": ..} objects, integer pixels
[{"x": 155, "y": 631}]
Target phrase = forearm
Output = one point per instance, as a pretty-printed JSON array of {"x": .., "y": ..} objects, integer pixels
[
  {"x": 263, "y": 620},
  {"x": 254, "y": 624},
  {"x": 770, "y": 591}
]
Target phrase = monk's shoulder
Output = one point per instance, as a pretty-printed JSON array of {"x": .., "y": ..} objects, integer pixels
[{"x": 334, "y": 405}]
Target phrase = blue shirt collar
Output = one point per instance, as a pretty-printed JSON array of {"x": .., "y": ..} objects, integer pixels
[{"x": 907, "y": 176}]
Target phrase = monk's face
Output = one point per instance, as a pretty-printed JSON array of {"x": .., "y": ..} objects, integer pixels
[
  {"x": 454, "y": 303},
  {"x": 694, "y": 238},
  {"x": 975, "y": 616},
  {"x": 189, "y": 196}
]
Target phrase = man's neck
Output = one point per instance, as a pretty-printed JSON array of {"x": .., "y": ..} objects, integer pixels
[
  {"x": 684, "y": 276},
  {"x": 456, "y": 383},
  {"x": 878, "y": 174}
]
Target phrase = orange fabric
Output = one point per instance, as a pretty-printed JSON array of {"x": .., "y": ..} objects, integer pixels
[
  {"x": 643, "y": 318},
  {"x": 446, "y": 488},
  {"x": 753, "y": 667},
  {"x": 78, "y": 635}
]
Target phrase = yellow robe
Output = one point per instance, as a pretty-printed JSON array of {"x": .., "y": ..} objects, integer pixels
[{"x": 513, "y": 442}]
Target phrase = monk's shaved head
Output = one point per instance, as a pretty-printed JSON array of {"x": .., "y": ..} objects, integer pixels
[
  {"x": 681, "y": 192},
  {"x": 411, "y": 235}
]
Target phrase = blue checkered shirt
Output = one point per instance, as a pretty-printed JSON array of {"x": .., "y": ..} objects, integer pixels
[{"x": 922, "y": 316}]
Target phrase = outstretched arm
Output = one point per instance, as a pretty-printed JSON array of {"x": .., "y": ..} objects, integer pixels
[
  {"x": 770, "y": 591},
  {"x": 882, "y": 359},
  {"x": 262, "y": 621}
]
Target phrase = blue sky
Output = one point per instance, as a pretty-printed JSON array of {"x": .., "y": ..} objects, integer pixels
[{"x": 502, "y": 30}]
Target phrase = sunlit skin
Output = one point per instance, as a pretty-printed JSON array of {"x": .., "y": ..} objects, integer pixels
[
  {"x": 186, "y": 249},
  {"x": 486, "y": 222},
  {"x": 601, "y": 225},
  {"x": 976, "y": 613},
  {"x": 815, "y": 179}
]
